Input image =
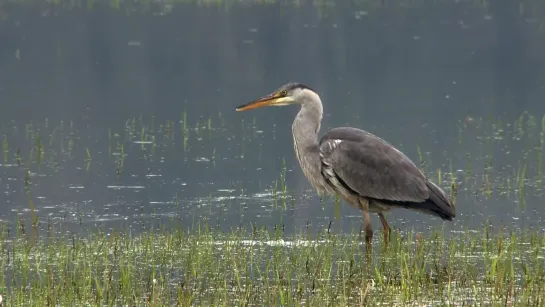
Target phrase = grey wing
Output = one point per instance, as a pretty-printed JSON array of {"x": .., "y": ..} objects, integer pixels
[{"x": 371, "y": 167}]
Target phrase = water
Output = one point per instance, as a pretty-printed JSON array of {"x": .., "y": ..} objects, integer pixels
[{"x": 135, "y": 112}]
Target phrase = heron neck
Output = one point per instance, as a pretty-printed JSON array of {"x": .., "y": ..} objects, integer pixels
[
  {"x": 306, "y": 126},
  {"x": 305, "y": 130}
]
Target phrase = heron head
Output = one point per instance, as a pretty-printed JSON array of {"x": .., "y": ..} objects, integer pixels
[{"x": 287, "y": 94}]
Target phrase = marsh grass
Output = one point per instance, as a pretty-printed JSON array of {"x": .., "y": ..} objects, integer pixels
[{"x": 260, "y": 267}]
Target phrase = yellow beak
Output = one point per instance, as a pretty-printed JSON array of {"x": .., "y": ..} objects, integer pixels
[{"x": 269, "y": 100}]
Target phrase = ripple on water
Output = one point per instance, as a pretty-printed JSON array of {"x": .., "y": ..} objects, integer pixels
[{"x": 119, "y": 187}]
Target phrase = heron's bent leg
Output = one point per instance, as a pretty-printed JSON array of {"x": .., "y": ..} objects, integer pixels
[
  {"x": 386, "y": 227},
  {"x": 368, "y": 228}
]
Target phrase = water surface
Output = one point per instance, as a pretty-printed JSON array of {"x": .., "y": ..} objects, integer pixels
[{"x": 136, "y": 122}]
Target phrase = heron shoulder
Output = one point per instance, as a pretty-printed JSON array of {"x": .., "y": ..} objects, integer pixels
[
  {"x": 352, "y": 134},
  {"x": 365, "y": 140}
]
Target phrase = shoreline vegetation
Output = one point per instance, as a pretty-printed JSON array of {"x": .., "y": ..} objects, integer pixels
[{"x": 260, "y": 267}]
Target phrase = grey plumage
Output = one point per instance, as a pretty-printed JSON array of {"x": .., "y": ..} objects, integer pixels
[
  {"x": 370, "y": 167},
  {"x": 363, "y": 169}
]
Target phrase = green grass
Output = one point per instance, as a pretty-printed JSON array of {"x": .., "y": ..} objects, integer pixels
[{"x": 204, "y": 267}]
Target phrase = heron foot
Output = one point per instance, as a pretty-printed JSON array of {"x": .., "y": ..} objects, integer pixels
[
  {"x": 386, "y": 236},
  {"x": 360, "y": 233},
  {"x": 368, "y": 237},
  {"x": 368, "y": 228}
]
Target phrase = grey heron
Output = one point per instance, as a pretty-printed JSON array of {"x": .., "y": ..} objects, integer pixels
[{"x": 363, "y": 169}]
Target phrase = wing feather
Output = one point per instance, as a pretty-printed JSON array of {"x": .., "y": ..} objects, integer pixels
[{"x": 371, "y": 167}]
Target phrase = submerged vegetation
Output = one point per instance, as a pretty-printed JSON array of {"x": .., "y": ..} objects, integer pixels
[{"x": 490, "y": 158}]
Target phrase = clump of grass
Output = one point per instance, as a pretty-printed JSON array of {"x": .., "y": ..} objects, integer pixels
[
  {"x": 261, "y": 267},
  {"x": 540, "y": 152},
  {"x": 5, "y": 148},
  {"x": 88, "y": 159},
  {"x": 120, "y": 159},
  {"x": 185, "y": 131}
]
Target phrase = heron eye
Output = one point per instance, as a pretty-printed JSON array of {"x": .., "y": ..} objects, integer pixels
[{"x": 284, "y": 93}]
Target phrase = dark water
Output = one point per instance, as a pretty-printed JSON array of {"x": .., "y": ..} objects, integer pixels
[{"x": 164, "y": 82}]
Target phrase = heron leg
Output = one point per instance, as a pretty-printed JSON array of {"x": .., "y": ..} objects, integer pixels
[
  {"x": 386, "y": 227},
  {"x": 368, "y": 228}
]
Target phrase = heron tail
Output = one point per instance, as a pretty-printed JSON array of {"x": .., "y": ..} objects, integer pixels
[{"x": 438, "y": 203}]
